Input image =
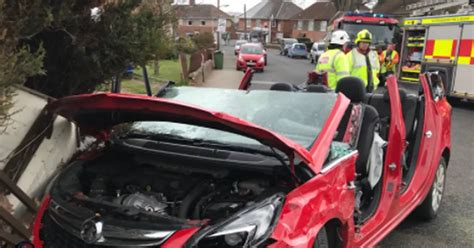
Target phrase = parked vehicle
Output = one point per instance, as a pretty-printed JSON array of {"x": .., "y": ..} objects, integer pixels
[
  {"x": 264, "y": 51},
  {"x": 238, "y": 44},
  {"x": 383, "y": 28},
  {"x": 317, "y": 50},
  {"x": 251, "y": 55},
  {"x": 204, "y": 167},
  {"x": 440, "y": 43},
  {"x": 285, "y": 44},
  {"x": 297, "y": 50}
]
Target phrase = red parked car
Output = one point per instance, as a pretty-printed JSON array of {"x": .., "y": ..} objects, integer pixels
[
  {"x": 251, "y": 55},
  {"x": 201, "y": 167}
]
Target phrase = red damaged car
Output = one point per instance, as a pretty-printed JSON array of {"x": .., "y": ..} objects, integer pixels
[
  {"x": 200, "y": 167},
  {"x": 251, "y": 55}
]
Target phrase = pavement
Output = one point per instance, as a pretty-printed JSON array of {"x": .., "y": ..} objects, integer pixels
[
  {"x": 454, "y": 226},
  {"x": 228, "y": 77}
]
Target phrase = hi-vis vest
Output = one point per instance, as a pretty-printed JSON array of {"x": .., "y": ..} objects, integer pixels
[
  {"x": 392, "y": 66},
  {"x": 335, "y": 64},
  {"x": 358, "y": 66}
]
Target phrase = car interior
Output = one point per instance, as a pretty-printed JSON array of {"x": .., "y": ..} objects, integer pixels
[{"x": 375, "y": 118}]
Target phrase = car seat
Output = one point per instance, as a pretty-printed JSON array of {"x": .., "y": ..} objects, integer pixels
[
  {"x": 282, "y": 87},
  {"x": 353, "y": 88}
]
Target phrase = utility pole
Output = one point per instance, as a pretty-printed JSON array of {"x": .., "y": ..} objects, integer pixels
[
  {"x": 218, "y": 17},
  {"x": 245, "y": 21}
]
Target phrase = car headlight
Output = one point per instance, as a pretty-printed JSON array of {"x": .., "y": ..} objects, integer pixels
[
  {"x": 241, "y": 59},
  {"x": 247, "y": 228},
  {"x": 261, "y": 60}
]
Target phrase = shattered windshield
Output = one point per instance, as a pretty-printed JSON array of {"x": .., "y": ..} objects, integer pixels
[{"x": 296, "y": 115}]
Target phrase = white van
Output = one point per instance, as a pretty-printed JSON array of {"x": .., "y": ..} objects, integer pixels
[{"x": 317, "y": 50}]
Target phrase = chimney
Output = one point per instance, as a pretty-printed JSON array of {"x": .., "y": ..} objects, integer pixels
[{"x": 192, "y": 2}]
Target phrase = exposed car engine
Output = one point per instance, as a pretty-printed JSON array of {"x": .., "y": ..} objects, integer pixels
[{"x": 156, "y": 190}]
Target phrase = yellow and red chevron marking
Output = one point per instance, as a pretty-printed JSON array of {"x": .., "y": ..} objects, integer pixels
[{"x": 466, "y": 52}]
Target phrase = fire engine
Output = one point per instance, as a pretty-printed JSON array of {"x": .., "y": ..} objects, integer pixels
[
  {"x": 384, "y": 29},
  {"x": 440, "y": 43}
]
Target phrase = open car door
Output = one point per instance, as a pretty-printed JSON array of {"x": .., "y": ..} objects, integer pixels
[{"x": 246, "y": 80}]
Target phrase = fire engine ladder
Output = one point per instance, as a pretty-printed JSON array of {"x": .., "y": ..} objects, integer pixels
[{"x": 427, "y": 6}]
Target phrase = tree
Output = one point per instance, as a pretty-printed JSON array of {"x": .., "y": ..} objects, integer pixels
[
  {"x": 204, "y": 40},
  {"x": 83, "y": 51},
  {"x": 18, "y": 61}
]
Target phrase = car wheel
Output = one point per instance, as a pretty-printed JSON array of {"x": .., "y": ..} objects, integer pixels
[
  {"x": 322, "y": 240},
  {"x": 430, "y": 206}
]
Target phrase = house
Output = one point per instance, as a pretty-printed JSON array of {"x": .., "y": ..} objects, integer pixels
[
  {"x": 271, "y": 15},
  {"x": 313, "y": 21},
  {"x": 199, "y": 18}
]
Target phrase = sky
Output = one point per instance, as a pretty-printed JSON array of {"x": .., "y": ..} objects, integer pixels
[{"x": 238, "y": 5}]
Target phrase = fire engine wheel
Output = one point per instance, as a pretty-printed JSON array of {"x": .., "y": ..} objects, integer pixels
[
  {"x": 430, "y": 206},
  {"x": 322, "y": 240}
]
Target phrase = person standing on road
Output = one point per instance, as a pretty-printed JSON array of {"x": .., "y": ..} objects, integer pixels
[
  {"x": 389, "y": 60},
  {"x": 363, "y": 62},
  {"x": 333, "y": 62}
]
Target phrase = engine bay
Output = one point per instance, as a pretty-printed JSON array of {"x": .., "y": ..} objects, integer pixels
[{"x": 178, "y": 191}]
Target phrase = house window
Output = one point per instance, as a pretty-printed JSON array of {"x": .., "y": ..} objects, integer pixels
[
  {"x": 258, "y": 23},
  {"x": 274, "y": 24},
  {"x": 279, "y": 27},
  {"x": 190, "y": 23},
  {"x": 249, "y": 23},
  {"x": 203, "y": 23},
  {"x": 310, "y": 25},
  {"x": 323, "y": 26},
  {"x": 300, "y": 25}
]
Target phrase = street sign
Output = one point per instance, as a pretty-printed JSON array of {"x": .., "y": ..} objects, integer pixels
[{"x": 221, "y": 25}]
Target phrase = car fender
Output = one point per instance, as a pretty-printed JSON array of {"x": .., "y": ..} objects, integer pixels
[{"x": 309, "y": 207}]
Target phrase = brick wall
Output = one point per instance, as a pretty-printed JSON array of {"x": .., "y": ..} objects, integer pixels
[{"x": 209, "y": 26}]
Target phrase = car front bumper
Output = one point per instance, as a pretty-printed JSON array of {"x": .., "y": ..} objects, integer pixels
[{"x": 250, "y": 64}]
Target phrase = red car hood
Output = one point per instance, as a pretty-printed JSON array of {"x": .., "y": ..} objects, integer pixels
[
  {"x": 96, "y": 112},
  {"x": 255, "y": 57}
]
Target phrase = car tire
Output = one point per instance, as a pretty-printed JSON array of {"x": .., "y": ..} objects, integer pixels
[
  {"x": 322, "y": 239},
  {"x": 428, "y": 210}
]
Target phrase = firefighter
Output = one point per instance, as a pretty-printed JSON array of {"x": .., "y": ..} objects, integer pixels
[
  {"x": 334, "y": 61},
  {"x": 363, "y": 62},
  {"x": 389, "y": 60}
]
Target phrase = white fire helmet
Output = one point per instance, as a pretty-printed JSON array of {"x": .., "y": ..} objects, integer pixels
[{"x": 339, "y": 37}]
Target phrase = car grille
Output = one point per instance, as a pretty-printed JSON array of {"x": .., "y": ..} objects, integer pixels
[{"x": 55, "y": 236}]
